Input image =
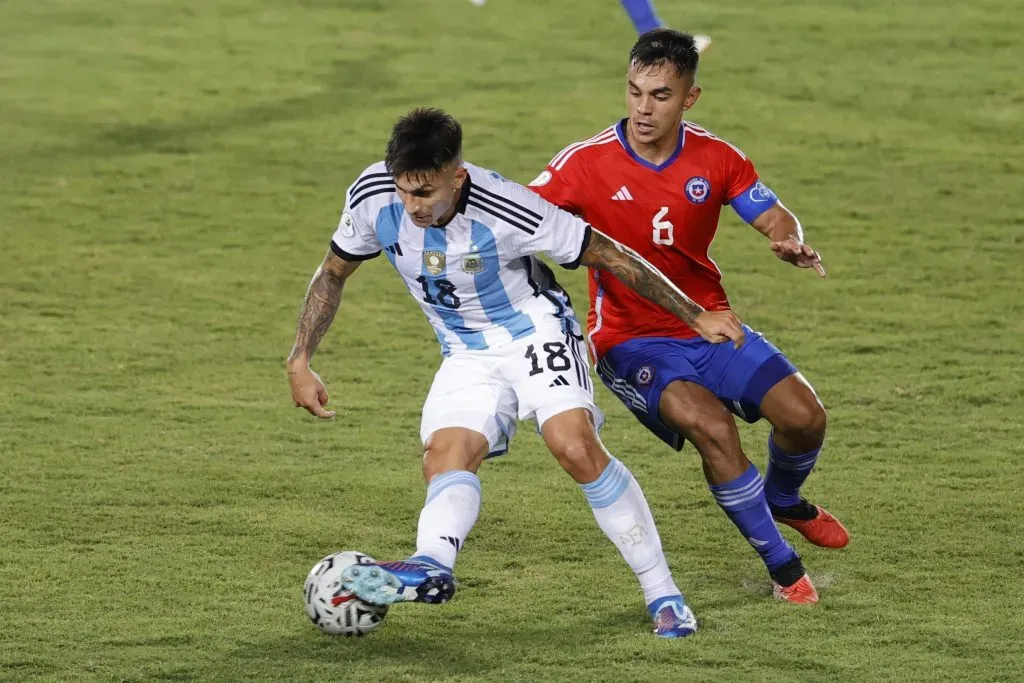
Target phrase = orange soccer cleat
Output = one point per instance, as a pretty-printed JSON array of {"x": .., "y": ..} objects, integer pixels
[
  {"x": 822, "y": 529},
  {"x": 800, "y": 593}
]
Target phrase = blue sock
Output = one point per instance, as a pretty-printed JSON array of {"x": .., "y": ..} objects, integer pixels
[
  {"x": 744, "y": 502},
  {"x": 786, "y": 474},
  {"x": 641, "y": 12}
]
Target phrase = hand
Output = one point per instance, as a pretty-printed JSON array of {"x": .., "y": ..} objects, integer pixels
[
  {"x": 720, "y": 326},
  {"x": 799, "y": 254},
  {"x": 308, "y": 391}
]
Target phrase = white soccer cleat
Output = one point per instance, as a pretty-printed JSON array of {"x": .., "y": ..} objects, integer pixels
[{"x": 701, "y": 42}]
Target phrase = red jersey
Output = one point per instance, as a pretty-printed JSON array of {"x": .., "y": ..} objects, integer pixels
[{"x": 668, "y": 214}]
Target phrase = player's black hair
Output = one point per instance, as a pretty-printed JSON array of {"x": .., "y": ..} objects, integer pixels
[
  {"x": 665, "y": 46},
  {"x": 423, "y": 140}
]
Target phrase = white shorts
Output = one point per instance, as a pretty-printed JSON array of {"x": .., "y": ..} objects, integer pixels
[{"x": 535, "y": 377}]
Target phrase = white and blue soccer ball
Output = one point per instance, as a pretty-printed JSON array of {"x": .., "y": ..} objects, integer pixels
[{"x": 330, "y": 607}]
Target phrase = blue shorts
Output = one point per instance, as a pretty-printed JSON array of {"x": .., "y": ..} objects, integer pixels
[{"x": 637, "y": 371}]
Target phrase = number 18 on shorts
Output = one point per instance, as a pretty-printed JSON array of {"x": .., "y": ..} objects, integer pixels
[{"x": 535, "y": 377}]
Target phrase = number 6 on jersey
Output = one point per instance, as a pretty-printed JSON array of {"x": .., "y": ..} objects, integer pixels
[{"x": 662, "y": 229}]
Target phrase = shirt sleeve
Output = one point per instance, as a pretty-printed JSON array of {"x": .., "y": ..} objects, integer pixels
[
  {"x": 549, "y": 229},
  {"x": 561, "y": 187},
  {"x": 355, "y": 238},
  {"x": 745, "y": 192}
]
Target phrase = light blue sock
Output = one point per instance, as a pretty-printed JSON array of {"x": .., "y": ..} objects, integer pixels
[
  {"x": 622, "y": 512},
  {"x": 453, "y": 503}
]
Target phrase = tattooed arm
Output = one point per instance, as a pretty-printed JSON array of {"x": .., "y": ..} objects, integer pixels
[
  {"x": 639, "y": 275},
  {"x": 322, "y": 300}
]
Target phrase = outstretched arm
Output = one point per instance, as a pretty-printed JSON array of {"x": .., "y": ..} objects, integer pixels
[
  {"x": 643, "y": 278},
  {"x": 322, "y": 300}
]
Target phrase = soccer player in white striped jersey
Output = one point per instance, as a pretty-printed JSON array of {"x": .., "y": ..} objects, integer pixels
[{"x": 465, "y": 242}]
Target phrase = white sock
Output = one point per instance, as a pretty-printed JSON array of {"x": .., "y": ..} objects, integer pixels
[
  {"x": 453, "y": 503},
  {"x": 623, "y": 514}
]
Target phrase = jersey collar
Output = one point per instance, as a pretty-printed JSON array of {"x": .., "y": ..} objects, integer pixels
[
  {"x": 460, "y": 206},
  {"x": 620, "y": 132}
]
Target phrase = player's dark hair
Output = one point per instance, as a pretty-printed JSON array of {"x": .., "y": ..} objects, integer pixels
[
  {"x": 423, "y": 140},
  {"x": 665, "y": 46}
]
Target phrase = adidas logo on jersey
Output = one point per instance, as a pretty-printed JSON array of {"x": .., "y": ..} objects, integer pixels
[
  {"x": 622, "y": 195},
  {"x": 559, "y": 382}
]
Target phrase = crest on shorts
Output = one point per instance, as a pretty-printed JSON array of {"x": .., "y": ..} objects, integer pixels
[
  {"x": 434, "y": 262},
  {"x": 473, "y": 263},
  {"x": 698, "y": 189},
  {"x": 644, "y": 375}
]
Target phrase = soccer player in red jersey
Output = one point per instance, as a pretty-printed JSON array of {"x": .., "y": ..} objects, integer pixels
[{"x": 657, "y": 184}]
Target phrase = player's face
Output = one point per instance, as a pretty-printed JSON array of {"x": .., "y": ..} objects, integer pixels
[
  {"x": 429, "y": 197},
  {"x": 657, "y": 96}
]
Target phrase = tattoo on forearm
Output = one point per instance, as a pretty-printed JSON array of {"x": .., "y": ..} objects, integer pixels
[
  {"x": 322, "y": 300},
  {"x": 639, "y": 275}
]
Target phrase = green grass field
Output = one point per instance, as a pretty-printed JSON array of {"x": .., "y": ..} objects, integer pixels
[{"x": 170, "y": 175}]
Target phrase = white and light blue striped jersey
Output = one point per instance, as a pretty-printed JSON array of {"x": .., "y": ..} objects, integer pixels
[{"x": 477, "y": 279}]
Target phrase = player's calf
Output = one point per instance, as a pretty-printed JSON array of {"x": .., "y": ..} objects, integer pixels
[
  {"x": 571, "y": 438},
  {"x": 694, "y": 412},
  {"x": 453, "y": 448},
  {"x": 743, "y": 501},
  {"x": 449, "y": 513},
  {"x": 785, "y": 476},
  {"x": 615, "y": 498},
  {"x": 797, "y": 417},
  {"x": 798, "y": 431}
]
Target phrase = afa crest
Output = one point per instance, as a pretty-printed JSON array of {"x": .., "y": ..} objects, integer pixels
[
  {"x": 473, "y": 264},
  {"x": 698, "y": 189},
  {"x": 434, "y": 262}
]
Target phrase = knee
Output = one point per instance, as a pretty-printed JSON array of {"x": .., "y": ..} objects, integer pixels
[
  {"x": 435, "y": 458},
  {"x": 453, "y": 449},
  {"x": 709, "y": 427},
  {"x": 715, "y": 435},
  {"x": 804, "y": 421},
  {"x": 581, "y": 457}
]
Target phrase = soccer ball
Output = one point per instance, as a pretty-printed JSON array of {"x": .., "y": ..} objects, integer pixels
[{"x": 330, "y": 607}]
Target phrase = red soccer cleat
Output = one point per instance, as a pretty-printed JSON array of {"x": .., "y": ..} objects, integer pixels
[
  {"x": 822, "y": 530},
  {"x": 800, "y": 593}
]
